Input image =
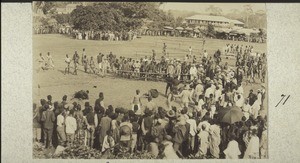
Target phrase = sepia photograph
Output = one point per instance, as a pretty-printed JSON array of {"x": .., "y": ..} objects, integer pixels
[{"x": 149, "y": 80}]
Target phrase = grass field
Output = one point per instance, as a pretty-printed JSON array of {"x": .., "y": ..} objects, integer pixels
[{"x": 118, "y": 92}]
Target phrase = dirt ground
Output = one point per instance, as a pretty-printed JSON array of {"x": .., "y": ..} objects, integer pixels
[{"x": 117, "y": 92}]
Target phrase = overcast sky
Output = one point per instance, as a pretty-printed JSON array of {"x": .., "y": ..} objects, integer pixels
[{"x": 200, "y": 7}]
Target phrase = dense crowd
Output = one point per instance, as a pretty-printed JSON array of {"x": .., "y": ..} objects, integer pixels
[
  {"x": 249, "y": 64},
  {"x": 105, "y": 35},
  {"x": 216, "y": 119}
]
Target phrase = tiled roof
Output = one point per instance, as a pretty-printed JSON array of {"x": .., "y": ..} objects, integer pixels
[
  {"x": 208, "y": 18},
  {"x": 237, "y": 22}
]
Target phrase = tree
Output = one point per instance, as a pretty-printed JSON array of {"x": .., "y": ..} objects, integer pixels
[
  {"x": 210, "y": 30},
  {"x": 47, "y": 7},
  {"x": 63, "y": 18},
  {"x": 118, "y": 16},
  {"x": 213, "y": 10},
  {"x": 249, "y": 11}
]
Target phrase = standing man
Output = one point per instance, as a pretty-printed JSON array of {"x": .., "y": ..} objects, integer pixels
[
  {"x": 48, "y": 118},
  {"x": 68, "y": 61},
  {"x": 99, "y": 61},
  {"x": 205, "y": 54},
  {"x": 169, "y": 81},
  {"x": 71, "y": 126},
  {"x": 185, "y": 96},
  {"x": 92, "y": 65},
  {"x": 83, "y": 54},
  {"x": 76, "y": 62},
  {"x": 165, "y": 49},
  {"x": 105, "y": 67},
  {"x": 50, "y": 61},
  {"x": 193, "y": 72},
  {"x": 61, "y": 128},
  {"x": 41, "y": 62},
  {"x": 85, "y": 63},
  {"x": 190, "y": 52}
]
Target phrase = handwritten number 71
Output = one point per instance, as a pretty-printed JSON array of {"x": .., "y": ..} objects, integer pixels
[{"x": 282, "y": 97}]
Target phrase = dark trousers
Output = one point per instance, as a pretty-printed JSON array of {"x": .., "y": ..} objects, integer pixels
[
  {"x": 167, "y": 87},
  {"x": 48, "y": 136}
]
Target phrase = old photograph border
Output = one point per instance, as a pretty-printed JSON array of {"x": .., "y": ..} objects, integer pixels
[{"x": 277, "y": 80}]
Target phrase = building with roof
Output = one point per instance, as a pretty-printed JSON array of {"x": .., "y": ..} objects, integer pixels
[
  {"x": 237, "y": 23},
  {"x": 216, "y": 21}
]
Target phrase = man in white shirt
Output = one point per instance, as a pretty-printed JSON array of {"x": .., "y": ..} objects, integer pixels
[
  {"x": 193, "y": 131},
  {"x": 205, "y": 54},
  {"x": 208, "y": 92},
  {"x": 239, "y": 100},
  {"x": 71, "y": 126},
  {"x": 247, "y": 109},
  {"x": 68, "y": 61},
  {"x": 61, "y": 128},
  {"x": 259, "y": 96},
  {"x": 193, "y": 72},
  {"x": 185, "y": 96},
  {"x": 240, "y": 89},
  {"x": 255, "y": 109},
  {"x": 199, "y": 89}
]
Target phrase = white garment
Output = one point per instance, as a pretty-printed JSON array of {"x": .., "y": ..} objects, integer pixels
[
  {"x": 247, "y": 111},
  {"x": 209, "y": 91},
  {"x": 193, "y": 126},
  {"x": 200, "y": 104},
  {"x": 255, "y": 109},
  {"x": 193, "y": 71},
  {"x": 240, "y": 90},
  {"x": 253, "y": 148},
  {"x": 199, "y": 89},
  {"x": 60, "y": 120},
  {"x": 205, "y": 54},
  {"x": 68, "y": 60},
  {"x": 259, "y": 98},
  {"x": 212, "y": 111},
  {"x": 240, "y": 102},
  {"x": 218, "y": 94},
  {"x": 169, "y": 150},
  {"x": 232, "y": 151},
  {"x": 203, "y": 123},
  {"x": 106, "y": 145},
  {"x": 71, "y": 125}
]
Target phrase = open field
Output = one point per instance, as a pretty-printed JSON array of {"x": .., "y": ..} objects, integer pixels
[{"x": 117, "y": 92}]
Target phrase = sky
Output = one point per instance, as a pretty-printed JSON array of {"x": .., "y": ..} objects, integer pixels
[{"x": 200, "y": 7}]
